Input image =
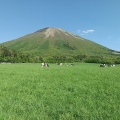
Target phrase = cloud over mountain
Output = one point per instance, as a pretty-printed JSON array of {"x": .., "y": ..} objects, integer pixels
[{"x": 83, "y": 32}]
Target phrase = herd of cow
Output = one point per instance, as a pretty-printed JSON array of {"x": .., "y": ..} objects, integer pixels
[
  {"x": 47, "y": 65},
  {"x": 104, "y": 65},
  {"x": 101, "y": 65}
]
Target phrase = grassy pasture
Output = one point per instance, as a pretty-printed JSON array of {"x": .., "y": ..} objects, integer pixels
[{"x": 79, "y": 92}]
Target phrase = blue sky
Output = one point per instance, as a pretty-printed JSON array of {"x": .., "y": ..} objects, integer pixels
[{"x": 96, "y": 20}]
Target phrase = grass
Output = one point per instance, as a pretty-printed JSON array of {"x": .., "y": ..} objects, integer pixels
[{"x": 80, "y": 92}]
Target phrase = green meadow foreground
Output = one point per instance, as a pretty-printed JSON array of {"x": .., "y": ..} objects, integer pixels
[{"x": 79, "y": 92}]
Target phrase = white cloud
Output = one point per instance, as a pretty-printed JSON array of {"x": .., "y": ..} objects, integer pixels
[
  {"x": 83, "y": 32},
  {"x": 88, "y": 31}
]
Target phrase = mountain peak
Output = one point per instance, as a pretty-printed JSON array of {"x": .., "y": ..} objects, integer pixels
[{"x": 52, "y": 32}]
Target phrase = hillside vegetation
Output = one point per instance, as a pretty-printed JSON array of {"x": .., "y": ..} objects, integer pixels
[
  {"x": 54, "y": 41},
  {"x": 13, "y": 56},
  {"x": 56, "y": 45}
]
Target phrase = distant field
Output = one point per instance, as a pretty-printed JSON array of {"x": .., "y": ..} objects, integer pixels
[{"x": 79, "y": 92}]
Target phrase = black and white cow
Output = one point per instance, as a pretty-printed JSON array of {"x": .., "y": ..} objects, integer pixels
[
  {"x": 60, "y": 64},
  {"x": 102, "y": 65},
  {"x": 72, "y": 64},
  {"x": 112, "y": 65},
  {"x": 44, "y": 65}
]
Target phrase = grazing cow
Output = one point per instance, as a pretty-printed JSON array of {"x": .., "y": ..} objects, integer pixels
[
  {"x": 44, "y": 65},
  {"x": 102, "y": 65},
  {"x": 112, "y": 65},
  {"x": 72, "y": 64},
  {"x": 61, "y": 64}
]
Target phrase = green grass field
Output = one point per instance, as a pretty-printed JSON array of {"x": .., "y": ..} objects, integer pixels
[{"x": 80, "y": 92}]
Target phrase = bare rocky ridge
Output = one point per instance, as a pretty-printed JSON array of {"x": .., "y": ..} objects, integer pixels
[{"x": 50, "y": 32}]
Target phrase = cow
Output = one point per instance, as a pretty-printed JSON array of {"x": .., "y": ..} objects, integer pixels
[
  {"x": 60, "y": 64},
  {"x": 44, "y": 65},
  {"x": 72, "y": 64},
  {"x": 112, "y": 65},
  {"x": 102, "y": 65}
]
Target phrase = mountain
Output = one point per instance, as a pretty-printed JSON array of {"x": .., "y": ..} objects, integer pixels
[{"x": 55, "y": 41}]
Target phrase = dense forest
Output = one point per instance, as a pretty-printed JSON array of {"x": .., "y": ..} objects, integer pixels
[{"x": 12, "y": 56}]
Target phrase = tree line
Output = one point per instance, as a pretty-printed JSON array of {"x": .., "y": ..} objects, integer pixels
[{"x": 13, "y": 56}]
